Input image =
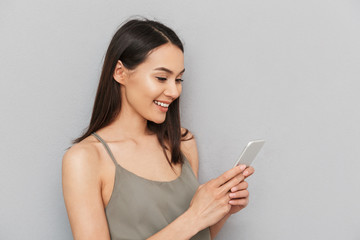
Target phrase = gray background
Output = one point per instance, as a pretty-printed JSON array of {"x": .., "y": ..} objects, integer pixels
[{"x": 285, "y": 71}]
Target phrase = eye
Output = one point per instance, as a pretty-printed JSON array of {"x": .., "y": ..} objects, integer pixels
[
  {"x": 178, "y": 80},
  {"x": 161, "y": 78}
]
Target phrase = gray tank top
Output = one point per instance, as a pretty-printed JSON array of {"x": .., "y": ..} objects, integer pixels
[{"x": 138, "y": 208}]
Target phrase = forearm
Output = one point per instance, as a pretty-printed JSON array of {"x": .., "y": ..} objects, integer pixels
[
  {"x": 182, "y": 228},
  {"x": 215, "y": 229}
]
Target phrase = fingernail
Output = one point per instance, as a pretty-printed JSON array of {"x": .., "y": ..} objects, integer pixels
[
  {"x": 245, "y": 173},
  {"x": 232, "y": 195},
  {"x": 233, "y": 189},
  {"x": 242, "y": 167}
]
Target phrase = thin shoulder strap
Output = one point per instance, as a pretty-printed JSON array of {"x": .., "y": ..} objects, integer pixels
[{"x": 106, "y": 147}]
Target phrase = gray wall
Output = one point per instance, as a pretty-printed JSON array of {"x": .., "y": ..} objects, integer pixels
[{"x": 285, "y": 71}]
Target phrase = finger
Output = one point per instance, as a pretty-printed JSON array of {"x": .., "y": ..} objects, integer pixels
[
  {"x": 248, "y": 171},
  {"x": 226, "y": 176},
  {"x": 232, "y": 183},
  {"x": 239, "y": 202},
  {"x": 241, "y": 186},
  {"x": 239, "y": 194}
]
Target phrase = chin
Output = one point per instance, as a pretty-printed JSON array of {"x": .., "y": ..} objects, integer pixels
[{"x": 157, "y": 121}]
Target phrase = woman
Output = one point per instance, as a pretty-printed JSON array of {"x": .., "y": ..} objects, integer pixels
[{"x": 133, "y": 174}]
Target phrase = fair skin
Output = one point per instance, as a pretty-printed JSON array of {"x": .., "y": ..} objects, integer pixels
[{"x": 88, "y": 171}]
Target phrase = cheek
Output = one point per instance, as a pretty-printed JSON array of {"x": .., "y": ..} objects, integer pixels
[
  {"x": 142, "y": 87},
  {"x": 179, "y": 89}
]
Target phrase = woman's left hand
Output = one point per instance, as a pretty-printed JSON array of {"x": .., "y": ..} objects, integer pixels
[
  {"x": 239, "y": 199},
  {"x": 239, "y": 195}
]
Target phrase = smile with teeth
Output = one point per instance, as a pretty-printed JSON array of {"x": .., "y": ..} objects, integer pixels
[{"x": 161, "y": 104}]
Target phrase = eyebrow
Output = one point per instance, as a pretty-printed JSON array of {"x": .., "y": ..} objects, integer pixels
[{"x": 168, "y": 70}]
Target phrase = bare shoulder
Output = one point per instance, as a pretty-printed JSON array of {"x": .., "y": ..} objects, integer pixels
[
  {"x": 82, "y": 156},
  {"x": 81, "y": 180},
  {"x": 189, "y": 149},
  {"x": 81, "y": 164}
]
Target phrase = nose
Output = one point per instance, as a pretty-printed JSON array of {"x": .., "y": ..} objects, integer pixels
[{"x": 173, "y": 89}]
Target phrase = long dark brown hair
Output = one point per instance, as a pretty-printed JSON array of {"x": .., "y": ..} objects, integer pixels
[{"x": 131, "y": 45}]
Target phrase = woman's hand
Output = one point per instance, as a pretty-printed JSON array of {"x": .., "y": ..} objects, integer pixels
[
  {"x": 211, "y": 200},
  {"x": 239, "y": 196}
]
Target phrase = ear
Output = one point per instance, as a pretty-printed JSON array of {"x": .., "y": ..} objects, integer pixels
[{"x": 120, "y": 73}]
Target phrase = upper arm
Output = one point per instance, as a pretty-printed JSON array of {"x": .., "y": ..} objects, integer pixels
[
  {"x": 82, "y": 193},
  {"x": 189, "y": 149}
]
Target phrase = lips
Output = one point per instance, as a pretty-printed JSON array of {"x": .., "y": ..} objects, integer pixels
[
  {"x": 164, "y": 104},
  {"x": 163, "y": 107}
]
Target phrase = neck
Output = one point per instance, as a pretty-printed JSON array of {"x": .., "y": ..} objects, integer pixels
[{"x": 128, "y": 124}]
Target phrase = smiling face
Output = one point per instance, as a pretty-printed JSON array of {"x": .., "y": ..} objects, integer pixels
[{"x": 148, "y": 90}]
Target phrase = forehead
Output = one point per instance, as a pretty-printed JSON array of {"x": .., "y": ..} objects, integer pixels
[{"x": 167, "y": 56}]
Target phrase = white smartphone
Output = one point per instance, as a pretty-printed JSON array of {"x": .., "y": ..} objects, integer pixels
[{"x": 250, "y": 152}]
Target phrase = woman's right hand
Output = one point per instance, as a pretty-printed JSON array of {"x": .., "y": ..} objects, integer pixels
[{"x": 211, "y": 200}]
